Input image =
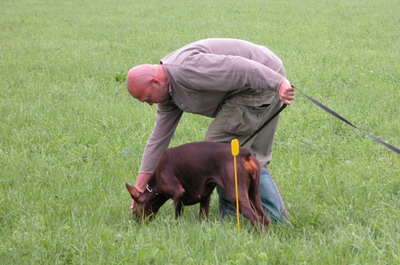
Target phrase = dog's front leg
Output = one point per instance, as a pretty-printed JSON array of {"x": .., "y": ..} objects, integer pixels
[
  {"x": 178, "y": 208},
  {"x": 204, "y": 208},
  {"x": 177, "y": 198}
]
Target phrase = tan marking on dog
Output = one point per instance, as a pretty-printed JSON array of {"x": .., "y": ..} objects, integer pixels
[{"x": 250, "y": 164}]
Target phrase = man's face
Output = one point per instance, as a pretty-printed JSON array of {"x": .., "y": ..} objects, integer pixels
[{"x": 154, "y": 94}]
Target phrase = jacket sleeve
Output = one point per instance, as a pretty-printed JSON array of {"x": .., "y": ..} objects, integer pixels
[
  {"x": 227, "y": 72},
  {"x": 167, "y": 119}
]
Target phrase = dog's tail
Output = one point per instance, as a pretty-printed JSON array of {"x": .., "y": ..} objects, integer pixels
[{"x": 251, "y": 165}]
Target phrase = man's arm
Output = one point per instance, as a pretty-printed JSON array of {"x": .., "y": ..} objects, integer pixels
[
  {"x": 226, "y": 72},
  {"x": 142, "y": 180},
  {"x": 167, "y": 119}
]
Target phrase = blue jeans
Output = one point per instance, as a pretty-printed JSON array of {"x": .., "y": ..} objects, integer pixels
[{"x": 271, "y": 200}]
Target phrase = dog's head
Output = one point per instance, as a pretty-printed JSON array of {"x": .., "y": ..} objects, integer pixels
[{"x": 147, "y": 203}]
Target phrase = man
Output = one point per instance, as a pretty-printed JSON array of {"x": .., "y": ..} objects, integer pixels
[{"x": 236, "y": 82}]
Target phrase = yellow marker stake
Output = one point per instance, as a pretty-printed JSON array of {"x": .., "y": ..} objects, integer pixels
[{"x": 235, "y": 151}]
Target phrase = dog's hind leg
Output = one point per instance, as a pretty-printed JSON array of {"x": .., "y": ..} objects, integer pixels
[
  {"x": 251, "y": 168},
  {"x": 228, "y": 185},
  {"x": 256, "y": 201},
  {"x": 247, "y": 210},
  {"x": 254, "y": 195}
]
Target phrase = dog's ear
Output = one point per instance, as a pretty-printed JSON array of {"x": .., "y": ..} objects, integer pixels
[{"x": 133, "y": 191}]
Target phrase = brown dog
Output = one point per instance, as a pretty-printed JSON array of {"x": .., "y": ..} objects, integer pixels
[{"x": 188, "y": 174}]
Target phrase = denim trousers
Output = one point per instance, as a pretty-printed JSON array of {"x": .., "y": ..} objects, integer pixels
[{"x": 271, "y": 200}]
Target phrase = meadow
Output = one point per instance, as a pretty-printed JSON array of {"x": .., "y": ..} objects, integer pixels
[{"x": 71, "y": 135}]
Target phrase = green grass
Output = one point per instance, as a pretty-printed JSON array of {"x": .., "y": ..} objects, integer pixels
[{"x": 71, "y": 135}]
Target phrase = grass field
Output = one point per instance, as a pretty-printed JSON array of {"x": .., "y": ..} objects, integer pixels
[{"x": 71, "y": 135}]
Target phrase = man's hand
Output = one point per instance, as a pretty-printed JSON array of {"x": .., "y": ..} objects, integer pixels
[
  {"x": 286, "y": 92},
  {"x": 141, "y": 184}
]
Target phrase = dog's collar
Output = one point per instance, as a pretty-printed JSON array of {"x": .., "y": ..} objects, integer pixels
[{"x": 150, "y": 189}]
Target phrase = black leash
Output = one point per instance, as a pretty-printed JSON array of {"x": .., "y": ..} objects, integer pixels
[
  {"x": 327, "y": 109},
  {"x": 322, "y": 106},
  {"x": 265, "y": 124}
]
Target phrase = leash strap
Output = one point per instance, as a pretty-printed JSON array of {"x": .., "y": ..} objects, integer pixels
[
  {"x": 322, "y": 106},
  {"x": 265, "y": 124}
]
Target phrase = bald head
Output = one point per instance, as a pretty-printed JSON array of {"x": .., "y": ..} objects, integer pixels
[
  {"x": 138, "y": 79},
  {"x": 148, "y": 83}
]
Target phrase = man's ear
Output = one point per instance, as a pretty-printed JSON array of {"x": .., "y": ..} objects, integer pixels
[
  {"x": 135, "y": 194},
  {"x": 154, "y": 81}
]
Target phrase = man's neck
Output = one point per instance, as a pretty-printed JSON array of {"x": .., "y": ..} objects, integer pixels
[{"x": 160, "y": 72}]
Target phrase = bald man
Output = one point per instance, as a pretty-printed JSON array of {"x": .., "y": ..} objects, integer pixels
[{"x": 237, "y": 83}]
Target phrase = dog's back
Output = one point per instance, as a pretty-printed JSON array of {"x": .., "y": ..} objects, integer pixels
[{"x": 196, "y": 164}]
